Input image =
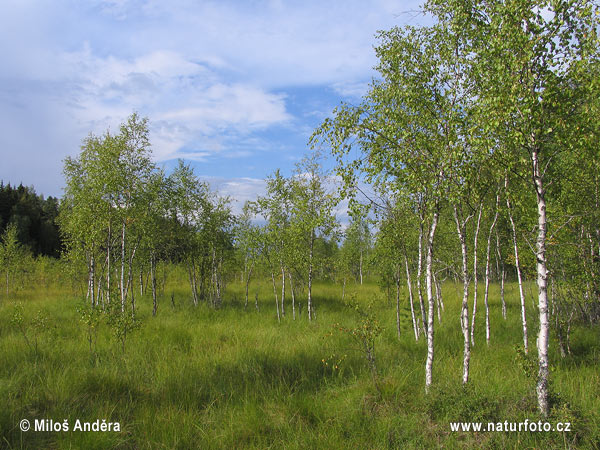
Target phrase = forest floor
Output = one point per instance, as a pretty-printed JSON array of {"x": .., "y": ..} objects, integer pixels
[{"x": 195, "y": 377}]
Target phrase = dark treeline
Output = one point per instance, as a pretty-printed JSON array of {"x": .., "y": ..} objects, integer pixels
[{"x": 34, "y": 218}]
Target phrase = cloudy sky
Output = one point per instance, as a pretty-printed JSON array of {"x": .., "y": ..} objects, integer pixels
[{"x": 234, "y": 87}]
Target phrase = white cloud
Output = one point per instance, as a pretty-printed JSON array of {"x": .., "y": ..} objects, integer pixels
[
  {"x": 352, "y": 89},
  {"x": 240, "y": 190}
]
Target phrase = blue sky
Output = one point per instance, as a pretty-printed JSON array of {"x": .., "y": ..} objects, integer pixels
[{"x": 234, "y": 87}]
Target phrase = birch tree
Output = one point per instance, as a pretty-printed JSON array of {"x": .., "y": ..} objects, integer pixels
[
  {"x": 248, "y": 242},
  {"x": 277, "y": 239},
  {"x": 396, "y": 232},
  {"x": 312, "y": 212},
  {"x": 188, "y": 199}
]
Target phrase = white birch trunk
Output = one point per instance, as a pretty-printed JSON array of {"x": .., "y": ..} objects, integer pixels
[
  {"x": 282, "y": 291},
  {"x": 141, "y": 282},
  {"x": 99, "y": 293},
  {"x": 464, "y": 312},
  {"x": 398, "y": 301},
  {"x": 475, "y": 240},
  {"x": 542, "y": 279},
  {"x": 123, "y": 268},
  {"x": 293, "y": 296},
  {"x": 130, "y": 278},
  {"x": 360, "y": 267},
  {"x": 213, "y": 278},
  {"x": 430, "y": 300},
  {"x": 219, "y": 281},
  {"x": 502, "y": 274},
  {"x": 410, "y": 299},
  {"x": 108, "y": 266},
  {"x": 192, "y": 276},
  {"x": 419, "y": 276},
  {"x": 438, "y": 297},
  {"x": 310, "y": 270},
  {"x": 275, "y": 293},
  {"x": 92, "y": 278},
  {"x": 248, "y": 275},
  {"x": 153, "y": 283}
]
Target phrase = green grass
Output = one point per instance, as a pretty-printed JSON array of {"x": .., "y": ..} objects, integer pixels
[{"x": 230, "y": 378}]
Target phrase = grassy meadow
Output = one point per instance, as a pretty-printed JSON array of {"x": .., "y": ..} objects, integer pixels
[{"x": 235, "y": 378}]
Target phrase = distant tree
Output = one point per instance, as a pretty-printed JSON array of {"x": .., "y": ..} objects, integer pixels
[
  {"x": 279, "y": 238},
  {"x": 312, "y": 212},
  {"x": 188, "y": 202},
  {"x": 249, "y": 244},
  {"x": 12, "y": 254},
  {"x": 357, "y": 245}
]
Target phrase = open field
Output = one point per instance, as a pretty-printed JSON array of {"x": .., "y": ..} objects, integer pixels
[{"x": 230, "y": 378}]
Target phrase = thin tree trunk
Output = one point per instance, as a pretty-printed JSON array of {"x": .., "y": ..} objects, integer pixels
[
  {"x": 192, "y": 276},
  {"x": 516, "y": 249},
  {"x": 464, "y": 312},
  {"x": 130, "y": 281},
  {"x": 502, "y": 274},
  {"x": 99, "y": 293},
  {"x": 248, "y": 275},
  {"x": 310, "y": 270},
  {"x": 440, "y": 293},
  {"x": 438, "y": 297},
  {"x": 430, "y": 300},
  {"x": 360, "y": 267},
  {"x": 410, "y": 299},
  {"x": 475, "y": 280},
  {"x": 141, "y": 282},
  {"x": 275, "y": 293},
  {"x": 542, "y": 279},
  {"x": 569, "y": 331},
  {"x": 282, "y": 291},
  {"x": 419, "y": 276},
  {"x": 293, "y": 295},
  {"x": 123, "y": 268},
  {"x": 487, "y": 272},
  {"x": 130, "y": 277},
  {"x": 92, "y": 279},
  {"x": 557, "y": 311},
  {"x": 213, "y": 278},
  {"x": 153, "y": 283},
  {"x": 108, "y": 265},
  {"x": 218, "y": 281},
  {"x": 163, "y": 284},
  {"x": 398, "y": 301}
]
